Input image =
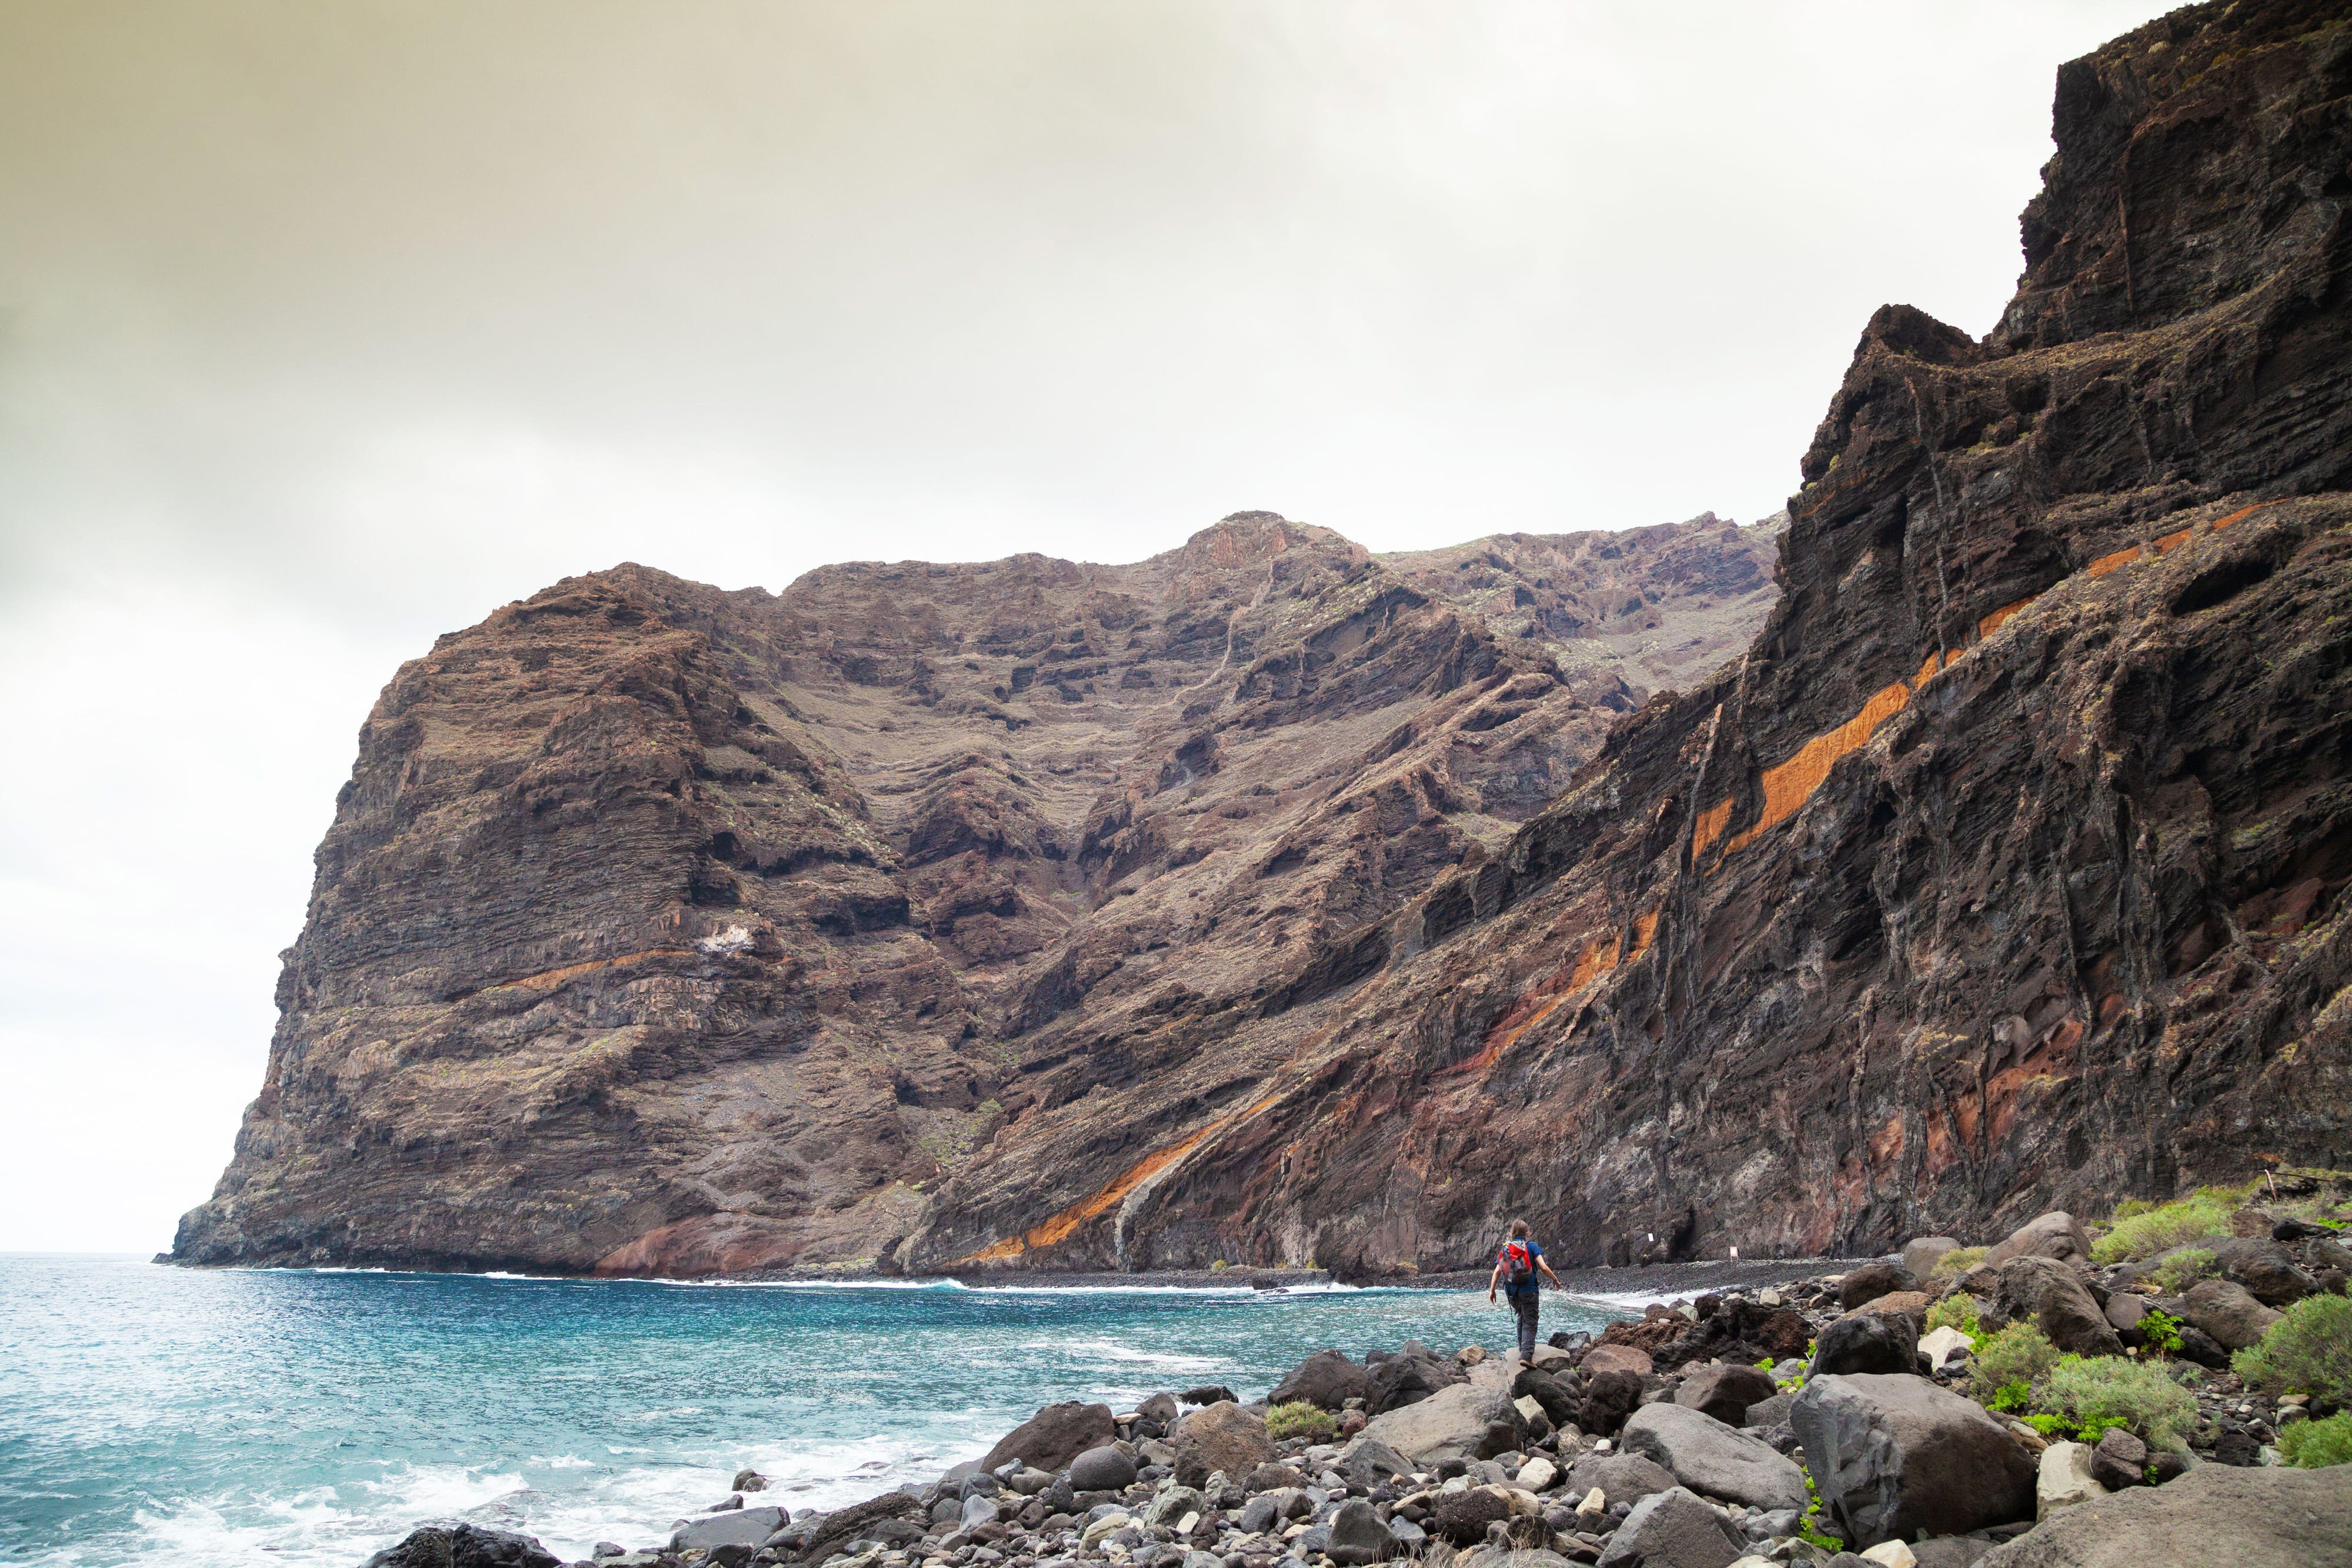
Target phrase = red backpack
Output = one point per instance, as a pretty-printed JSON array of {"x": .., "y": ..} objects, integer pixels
[{"x": 1518, "y": 1264}]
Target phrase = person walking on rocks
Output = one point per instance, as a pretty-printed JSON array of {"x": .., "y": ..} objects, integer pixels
[{"x": 1514, "y": 1270}]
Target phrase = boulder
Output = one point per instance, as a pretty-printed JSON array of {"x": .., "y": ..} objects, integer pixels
[
  {"x": 1225, "y": 1437},
  {"x": 1173, "y": 1503},
  {"x": 1051, "y": 1438},
  {"x": 2125, "y": 1310},
  {"x": 2065, "y": 1479},
  {"x": 1408, "y": 1377},
  {"x": 2119, "y": 1461},
  {"x": 464, "y": 1546},
  {"x": 1712, "y": 1459},
  {"x": 1327, "y": 1379},
  {"x": 1272, "y": 1476},
  {"x": 1911, "y": 1304},
  {"x": 2051, "y": 1294},
  {"x": 2053, "y": 1235},
  {"x": 737, "y": 1527},
  {"x": 1358, "y": 1537},
  {"x": 1866, "y": 1342},
  {"x": 2226, "y": 1311},
  {"x": 1210, "y": 1394},
  {"x": 1939, "y": 1345},
  {"x": 1368, "y": 1461},
  {"x": 1560, "y": 1406},
  {"x": 2270, "y": 1277},
  {"x": 1617, "y": 1358},
  {"x": 1535, "y": 1475},
  {"x": 1458, "y": 1422},
  {"x": 1892, "y": 1455},
  {"x": 749, "y": 1480},
  {"x": 1618, "y": 1478},
  {"x": 1105, "y": 1469},
  {"x": 1608, "y": 1400},
  {"x": 1919, "y": 1254},
  {"x": 1160, "y": 1407},
  {"x": 1872, "y": 1280},
  {"x": 1772, "y": 1412},
  {"x": 1723, "y": 1391},
  {"x": 874, "y": 1517},
  {"x": 981, "y": 1508},
  {"x": 1674, "y": 1530},
  {"x": 2267, "y": 1517},
  {"x": 1462, "y": 1517}
]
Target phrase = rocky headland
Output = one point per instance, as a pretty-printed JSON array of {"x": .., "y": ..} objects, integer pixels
[
  {"x": 1272, "y": 904},
  {"x": 2011, "y": 1406}
]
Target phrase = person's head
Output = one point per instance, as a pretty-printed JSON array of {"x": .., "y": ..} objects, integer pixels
[{"x": 1518, "y": 1230}]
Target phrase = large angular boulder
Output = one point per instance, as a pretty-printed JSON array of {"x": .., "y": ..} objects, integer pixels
[
  {"x": 1724, "y": 1392},
  {"x": 1674, "y": 1530},
  {"x": 1622, "y": 1478},
  {"x": 1867, "y": 1342},
  {"x": 2228, "y": 1312},
  {"x": 1617, "y": 1358},
  {"x": 1228, "y": 1437},
  {"x": 1892, "y": 1454},
  {"x": 2051, "y": 1294},
  {"x": 1051, "y": 1438},
  {"x": 1358, "y": 1537},
  {"x": 467, "y": 1546},
  {"x": 1560, "y": 1406},
  {"x": 1462, "y": 1517},
  {"x": 2261, "y": 1517},
  {"x": 736, "y": 1527},
  {"x": 1328, "y": 1379},
  {"x": 1872, "y": 1280},
  {"x": 2269, "y": 1276},
  {"x": 1714, "y": 1459},
  {"x": 1609, "y": 1398},
  {"x": 1920, "y": 1253},
  {"x": 1408, "y": 1377},
  {"x": 1368, "y": 1461},
  {"x": 1461, "y": 1422},
  {"x": 2052, "y": 1235}
]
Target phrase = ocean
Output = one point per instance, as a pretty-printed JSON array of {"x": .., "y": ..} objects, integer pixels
[{"x": 150, "y": 1415}]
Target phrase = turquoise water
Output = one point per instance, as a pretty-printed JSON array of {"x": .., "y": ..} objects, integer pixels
[{"x": 165, "y": 1415}]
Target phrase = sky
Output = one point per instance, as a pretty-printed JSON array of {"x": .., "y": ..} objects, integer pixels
[{"x": 326, "y": 329}]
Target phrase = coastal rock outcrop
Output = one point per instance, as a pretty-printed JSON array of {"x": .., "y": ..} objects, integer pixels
[{"x": 1272, "y": 903}]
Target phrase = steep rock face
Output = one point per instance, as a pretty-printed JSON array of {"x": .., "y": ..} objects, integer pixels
[
  {"x": 2005, "y": 870},
  {"x": 663, "y": 929}
]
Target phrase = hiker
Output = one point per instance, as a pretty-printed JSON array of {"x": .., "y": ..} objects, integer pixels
[{"x": 1514, "y": 1270}]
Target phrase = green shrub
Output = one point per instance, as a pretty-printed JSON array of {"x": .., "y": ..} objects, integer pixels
[
  {"x": 2182, "y": 1268},
  {"x": 2161, "y": 1330},
  {"x": 2010, "y": 1396},
  {"x": 2144, "y": 1232},
  {"x": 2052, "y": 1426},
  {"x": 1957, "y": 1311},
  {"x": 1957, "y": 1262},
  {"x": 1300, "y": 1419},
  {"x": 2307, "y": 1351},
  {"x": 2114, "y": 1391},
  {"x": 2018, "y": 1354},
  {"x": 2311, "y": 1444}
]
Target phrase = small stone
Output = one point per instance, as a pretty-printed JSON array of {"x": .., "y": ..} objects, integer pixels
[
  {"x": 1891, "y": 1555},
  {"x": 2119, "y": 1461}
]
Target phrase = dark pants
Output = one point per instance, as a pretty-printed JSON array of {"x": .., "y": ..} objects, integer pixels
[{"x": 1524, "y": 1303}]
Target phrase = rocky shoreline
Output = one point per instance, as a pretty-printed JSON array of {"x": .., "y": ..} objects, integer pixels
[{"x": 1855, "y": 1417}]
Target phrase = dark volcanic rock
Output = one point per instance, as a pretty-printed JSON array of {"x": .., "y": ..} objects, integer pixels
[
  {"x": 1867, "y": 1342},
  {"x": 1267, "y": 902},
  {"x": 1054, "y": 1437},
  {"x": 2011, "y": 849},
  {"x": 1891, "y": 1455},
  {"x": 1328, "y": 1378},
  {"x": 464, "y": 1546}
]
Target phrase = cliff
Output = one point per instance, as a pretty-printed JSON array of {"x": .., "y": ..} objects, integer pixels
[
  {"x": 667, "y": 929},
  {"x": 1272, "y": 903}
]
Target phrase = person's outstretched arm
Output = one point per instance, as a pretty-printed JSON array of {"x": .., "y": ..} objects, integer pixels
[
  {"x": 1497, "y": 1274},
  {"x": 1544, "y": 1264}
]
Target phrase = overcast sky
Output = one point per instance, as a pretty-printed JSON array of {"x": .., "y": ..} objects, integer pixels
[{"x": 326, "y": 329}]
